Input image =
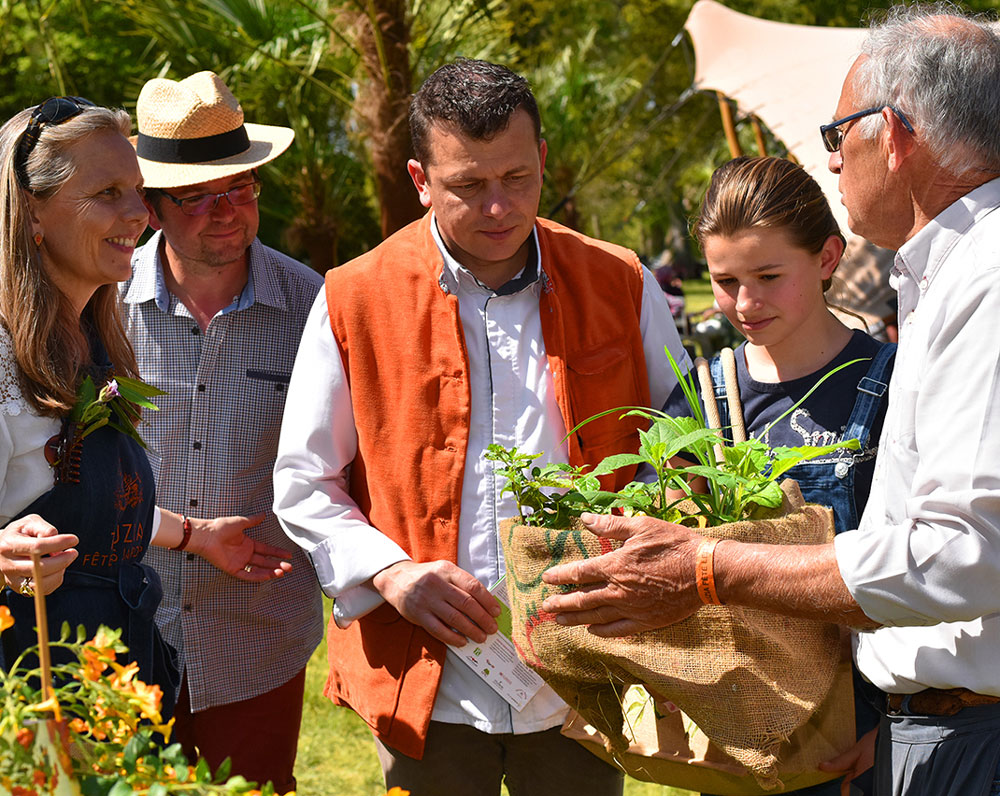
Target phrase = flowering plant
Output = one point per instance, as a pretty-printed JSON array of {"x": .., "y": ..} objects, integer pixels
[
  {"x": 117, "y": 404},
  {"x": 93, "y": 735}
]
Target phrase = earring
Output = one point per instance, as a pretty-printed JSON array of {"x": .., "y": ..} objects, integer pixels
[{"x": 38, "y": 240}]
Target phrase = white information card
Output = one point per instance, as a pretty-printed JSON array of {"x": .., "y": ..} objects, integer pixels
[{"x": 496, "y": 658}]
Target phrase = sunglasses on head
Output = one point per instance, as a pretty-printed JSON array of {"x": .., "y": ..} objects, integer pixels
[
  {"x": 833, "y": 136},
  {"x": 55, "y": 110}
]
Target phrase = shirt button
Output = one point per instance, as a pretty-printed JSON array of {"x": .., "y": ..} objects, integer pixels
[
  {"x": 195, "y": 330},
  {"x": 187, "y": 606},
  {"x": 190, "y": 556},
  {"x": 201, "y": 388},
  {"x": 197, "y": 446},
  {"x": 193, "y": 502},
  {"x": 279, "y": 387}
]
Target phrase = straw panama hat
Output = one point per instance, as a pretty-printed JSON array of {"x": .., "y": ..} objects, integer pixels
[{"x": 192, "y": 131}]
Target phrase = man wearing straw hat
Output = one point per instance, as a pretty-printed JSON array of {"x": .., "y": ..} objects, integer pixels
[{"x": 215, "y": 317}]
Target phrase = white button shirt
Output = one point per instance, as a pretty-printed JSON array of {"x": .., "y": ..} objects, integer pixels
[
  {"x": 926, "y": 558},
  {"x": 513, "y": 403}
]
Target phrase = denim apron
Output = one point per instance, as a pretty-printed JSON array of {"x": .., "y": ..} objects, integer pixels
[
  {"x": 832, "y": 484},
  {"x": 110, "y": 508}
]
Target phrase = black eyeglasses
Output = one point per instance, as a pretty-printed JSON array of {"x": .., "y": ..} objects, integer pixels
[
  {"x": 833, "y": 136},
  {"x": 207, "y": 202},
  {"x": 55, "y": 110}
]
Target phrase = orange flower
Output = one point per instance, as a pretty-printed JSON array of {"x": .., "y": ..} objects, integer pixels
[
  {"x": 6, "y": 620},
  {"x": 148, "y": 699},
  {"x": 397, "y": 791},
  {"x": 94, "y": 664},
  {"x": 79, "y": 726},
  {"x": 123, "y": 675},
  {"x": 25, "y": 737}
]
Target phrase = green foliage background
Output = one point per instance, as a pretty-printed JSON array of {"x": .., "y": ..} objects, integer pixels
[{"x": 629, "y": 151}]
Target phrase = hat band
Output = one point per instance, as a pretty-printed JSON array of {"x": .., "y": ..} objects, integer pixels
[{"x": 192, "y": 150}]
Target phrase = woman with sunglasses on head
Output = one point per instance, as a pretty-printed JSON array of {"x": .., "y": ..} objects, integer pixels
[
  {"x": 80, "y": 495},
  {"x": 772, "y": 245}
]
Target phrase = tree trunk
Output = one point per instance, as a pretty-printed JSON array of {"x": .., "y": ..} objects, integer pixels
[{"x": 383, "y": 103}]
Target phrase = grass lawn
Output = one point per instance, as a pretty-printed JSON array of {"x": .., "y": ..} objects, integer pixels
[
  {"x": 698, "y": 294},
  {"x": 337, "y": 756}
]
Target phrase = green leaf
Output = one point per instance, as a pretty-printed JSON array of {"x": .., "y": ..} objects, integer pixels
[
  {"x": 121, "y": 788},
  {"x": 173, "y": 754},
  {"x": 611, "y": 463},
  {"x": 140, "y": 387},
  {"x": 158, "y": 789},
  {"x": 86, "y": 395},
  {"x": 223, "y": 771},
  {"x": 787, "y": 458},
  {"x": 770, "y": 496},
  {"x": 202, "y": 771}
]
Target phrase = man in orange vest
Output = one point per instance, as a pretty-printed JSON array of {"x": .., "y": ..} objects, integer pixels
[{"x": 478, "y": 324}]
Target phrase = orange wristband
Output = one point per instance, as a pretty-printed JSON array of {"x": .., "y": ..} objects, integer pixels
[{"x": 704, "y": 572}]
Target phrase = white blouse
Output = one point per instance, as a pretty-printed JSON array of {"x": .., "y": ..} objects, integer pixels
[{"x": 24, "y": 473}]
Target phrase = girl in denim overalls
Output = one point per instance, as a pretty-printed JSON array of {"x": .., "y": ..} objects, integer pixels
[{"x": 772, "y": 245}]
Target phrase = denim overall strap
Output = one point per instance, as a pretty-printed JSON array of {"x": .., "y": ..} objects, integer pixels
[
  {"x": 719, "y": 383},
  {"x": 871, "y": 390}
]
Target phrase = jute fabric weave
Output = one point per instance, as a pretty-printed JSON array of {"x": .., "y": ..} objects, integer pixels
[{"x": 747, "y": 678}]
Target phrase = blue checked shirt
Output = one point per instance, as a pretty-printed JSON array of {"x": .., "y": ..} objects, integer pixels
[{"x": 212, "y": 448}]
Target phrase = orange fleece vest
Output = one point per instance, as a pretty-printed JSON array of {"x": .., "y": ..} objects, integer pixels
[{"x": 400, "y": 336}]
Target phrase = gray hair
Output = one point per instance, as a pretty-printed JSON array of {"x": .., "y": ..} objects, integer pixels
[{"x": 941, "y": 68}]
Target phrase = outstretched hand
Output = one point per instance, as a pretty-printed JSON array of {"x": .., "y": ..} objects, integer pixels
[
  {"x": 649, "y": 582},
  {"x": 224, "y": 543},
  {"x": 445, "y": 600},
  {"x": 855, "y": 761},
  {"x": 32, "y": 534}
]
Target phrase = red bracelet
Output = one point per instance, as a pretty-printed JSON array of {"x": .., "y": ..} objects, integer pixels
[
  {"x": 704, "y": 570},
  {"x": 187, "y": 535}
]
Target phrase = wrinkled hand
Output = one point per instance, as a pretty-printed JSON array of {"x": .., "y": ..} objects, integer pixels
[
  {"x": 224, "y": 544},
  {"x": 647, "y": 583},
  {"x": 445, "y": 600},
  {"x": 855, "y": 761},
  {"x": 32, "y": 534}
]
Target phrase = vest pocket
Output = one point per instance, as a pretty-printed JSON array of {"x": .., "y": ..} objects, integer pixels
[{"x": 600, "y": 379}]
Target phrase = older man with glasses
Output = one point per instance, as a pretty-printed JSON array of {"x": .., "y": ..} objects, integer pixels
[
  {"x": 916, "y": 149},
  {"x": 215, "y": 317}
]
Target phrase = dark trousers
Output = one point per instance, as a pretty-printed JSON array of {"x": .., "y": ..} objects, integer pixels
[
  {"x": 459, "y": 760},
  {"x": 939, "y": 755},
  {"x": 260, "y": 735}
]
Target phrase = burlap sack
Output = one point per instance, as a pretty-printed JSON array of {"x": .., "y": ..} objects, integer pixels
[
  {"x": 667, "y": 747},
  {"x": 747, "y": 678}
]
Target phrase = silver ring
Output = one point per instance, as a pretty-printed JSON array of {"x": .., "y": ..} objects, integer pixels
[
  {"x": 25, "y": 588},
  {"x": 248, "y": 568}
]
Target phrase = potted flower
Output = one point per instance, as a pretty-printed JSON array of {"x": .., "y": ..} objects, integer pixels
[{"x": 746, "y": 679}]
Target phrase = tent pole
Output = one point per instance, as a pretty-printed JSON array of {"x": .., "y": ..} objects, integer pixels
[
  {"x": 758, "y": 135},
  {"x": 727, "y": 125}
]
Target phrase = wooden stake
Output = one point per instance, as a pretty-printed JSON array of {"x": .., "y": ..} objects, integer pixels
[
  {"x": 758, "y": 135},
  {"x": 727, "y": 124},
  {"x": 42, "y": 622}
]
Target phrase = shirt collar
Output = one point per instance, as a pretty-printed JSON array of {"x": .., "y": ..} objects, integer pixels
[
  {"x": 922, "y": 255},
  {"x": 453, "y": 271},
  {"x": 148, "y": 282}
]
